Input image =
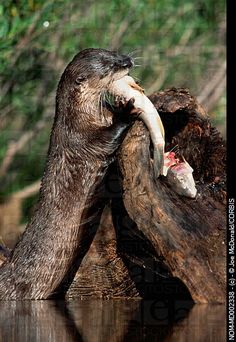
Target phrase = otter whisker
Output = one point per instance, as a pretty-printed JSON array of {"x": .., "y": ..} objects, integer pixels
[
  {"x": 110, "y": 99},
  {"x": 131, "y": 54},
  {"x": 175, "y": 148},
  {"x": 138, "y": 57},
  {"x": 100, "y": 101},
  {"x": 137, "y": 79}
]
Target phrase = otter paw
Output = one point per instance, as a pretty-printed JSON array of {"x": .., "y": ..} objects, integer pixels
[{"x": 125, "y": 111}]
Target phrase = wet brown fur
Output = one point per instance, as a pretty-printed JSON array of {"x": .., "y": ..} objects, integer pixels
[{"x": 83, "y": 142}]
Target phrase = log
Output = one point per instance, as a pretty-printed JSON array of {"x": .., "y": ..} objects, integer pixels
[
  {"x": 187, "y": 234},
  {"x": 102, "y": 273}
]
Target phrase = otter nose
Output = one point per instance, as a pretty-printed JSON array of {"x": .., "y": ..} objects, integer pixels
[{"x": 127, "y": 62}]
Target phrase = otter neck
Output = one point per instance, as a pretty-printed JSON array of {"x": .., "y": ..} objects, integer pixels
[
  {"x": 49, "y": 246},
  {"x": 92, "y": 103}
]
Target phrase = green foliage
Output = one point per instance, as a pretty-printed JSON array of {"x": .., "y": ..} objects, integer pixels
[
  {"x": 27, "y": 166},
  {"x": 28, "y": 208},
  {"x": 177, "y": 41}
]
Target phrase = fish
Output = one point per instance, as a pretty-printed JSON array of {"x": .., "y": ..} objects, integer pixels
[
  {"x": 126, "y": 87},
  {"x": 179, "y": 174}
]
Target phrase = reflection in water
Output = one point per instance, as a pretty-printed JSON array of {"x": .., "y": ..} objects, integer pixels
[{"x": 110, "y": 321}]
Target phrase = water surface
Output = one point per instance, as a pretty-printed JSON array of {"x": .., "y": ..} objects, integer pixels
[{"x": 111, "y": 321}]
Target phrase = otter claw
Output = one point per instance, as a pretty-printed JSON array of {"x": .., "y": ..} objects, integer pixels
[{"x": 130, "y": 103}]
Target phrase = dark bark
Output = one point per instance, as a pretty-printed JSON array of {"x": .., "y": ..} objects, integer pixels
[{"x": 102, "y": 273}]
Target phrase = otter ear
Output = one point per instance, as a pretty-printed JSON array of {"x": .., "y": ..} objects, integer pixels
[
  {"x": 79, "y": 83},
  {"x": 80, "y": 79}
]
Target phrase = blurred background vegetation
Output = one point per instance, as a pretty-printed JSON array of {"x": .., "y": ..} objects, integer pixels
[{"x": 178, "y": 43}]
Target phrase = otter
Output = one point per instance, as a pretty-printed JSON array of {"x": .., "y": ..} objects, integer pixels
[{"x": 84, "y": 138}]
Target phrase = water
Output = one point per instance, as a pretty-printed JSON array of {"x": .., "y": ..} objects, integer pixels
[{"x": 111, "y": 321}]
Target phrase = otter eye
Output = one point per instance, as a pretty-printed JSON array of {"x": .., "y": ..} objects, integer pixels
[{"x": 114, "y": 64}]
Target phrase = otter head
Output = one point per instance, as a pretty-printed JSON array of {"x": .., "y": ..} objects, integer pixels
[
  {"x": 87, "y": 78},
  {"x": 99, "y": 65}
]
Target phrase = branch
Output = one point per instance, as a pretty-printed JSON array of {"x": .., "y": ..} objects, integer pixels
[
  {"x": 213, "y": 89},
  {"x": 16, "y": 146},
  {"x": 27, "y": 191}
]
